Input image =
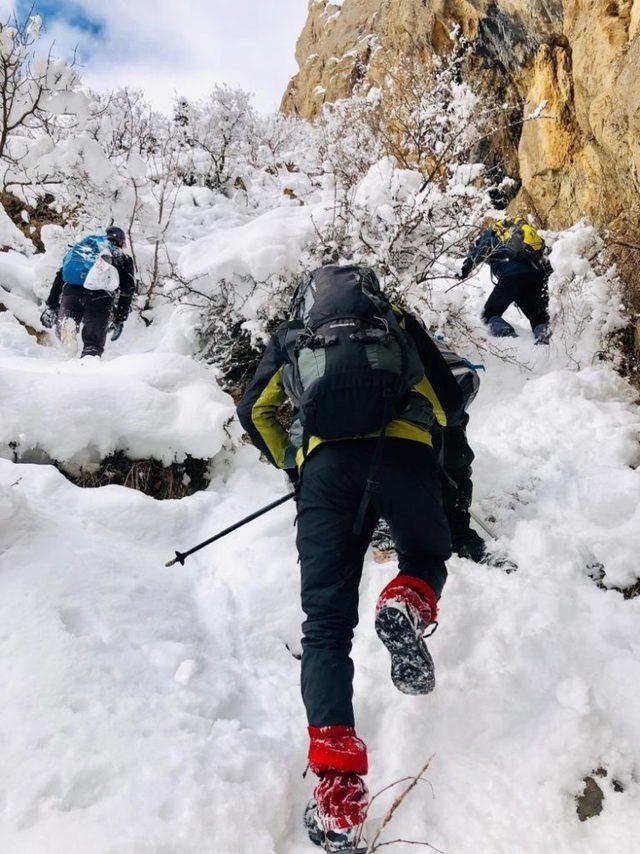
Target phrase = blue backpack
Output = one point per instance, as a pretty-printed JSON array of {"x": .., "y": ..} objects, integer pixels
[{"x": 81, "y": 258}]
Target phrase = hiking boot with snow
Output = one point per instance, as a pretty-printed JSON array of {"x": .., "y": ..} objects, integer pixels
[
  {"x": 335, "y": 816},
  {"x": 499, "y": 328},
  {"x": 406, "y": 608},
  {"x": 542, "y": 333},
  {"x": 48, "y": 317},
  {"x": 68, "y": 335}
]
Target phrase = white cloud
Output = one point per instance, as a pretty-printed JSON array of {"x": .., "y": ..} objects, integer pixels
[{"x": 166, "y": 47}]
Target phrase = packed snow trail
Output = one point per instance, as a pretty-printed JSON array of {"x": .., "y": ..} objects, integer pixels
[{"x": 156, "y": 711}]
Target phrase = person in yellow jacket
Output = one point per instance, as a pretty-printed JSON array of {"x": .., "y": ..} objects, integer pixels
[
  {"x": 520, "y": 271},
  {"x": 349, "y": 361}
]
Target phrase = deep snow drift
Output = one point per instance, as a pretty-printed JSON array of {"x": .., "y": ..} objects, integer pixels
[
  {"x": 156, "y": 711},
  {"x": 81, "y": 411}
]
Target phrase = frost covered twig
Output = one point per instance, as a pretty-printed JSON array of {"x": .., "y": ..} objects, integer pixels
[
  {"x": 375, "y": 843},
  {"x": 409, "y": 842}
]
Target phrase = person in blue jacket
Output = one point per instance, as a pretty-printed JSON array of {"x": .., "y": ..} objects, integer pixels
[
  {"x": 96, "y": 311},
  {"x": 519, "y": 273}
]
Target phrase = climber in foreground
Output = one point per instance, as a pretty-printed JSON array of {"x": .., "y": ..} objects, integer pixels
[
  {"x": 366, "y": 383},
  {"x": 84, "y": 290},
  {"x": 520, "y": 271}
]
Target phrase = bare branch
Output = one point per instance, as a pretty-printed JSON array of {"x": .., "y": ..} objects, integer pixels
[{"x": 373, "y": 845}]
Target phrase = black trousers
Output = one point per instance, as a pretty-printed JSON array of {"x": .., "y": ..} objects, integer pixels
[
  {"x": 528, "y": 292},
  {"x": 92, "y": 309},
  {"x": 455, "y": 455},
  {"x": 331, "y": 555}
]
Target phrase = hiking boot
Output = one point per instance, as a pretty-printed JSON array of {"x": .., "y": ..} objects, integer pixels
[
  {"x": 542, "y": 333},
  {"x": 334, "y": 817},
  {"x": 340, "y": 801},
  {"x": 406, "y": 608},
  {"x": 68, "y": 334},
  {"x": 499, "y": 328},
  {"x": 312, "y": 823}
]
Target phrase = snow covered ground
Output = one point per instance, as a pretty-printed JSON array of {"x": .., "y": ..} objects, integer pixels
[{"x": 146, "y": 710}]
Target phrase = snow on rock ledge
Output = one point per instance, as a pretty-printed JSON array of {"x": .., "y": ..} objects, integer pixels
[{"x": 160, "y": 405}]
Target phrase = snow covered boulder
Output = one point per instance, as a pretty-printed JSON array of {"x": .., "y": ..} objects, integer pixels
[{"x": 148, "y": 405}]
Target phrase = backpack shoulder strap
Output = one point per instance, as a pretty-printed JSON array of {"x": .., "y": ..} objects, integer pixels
[{"x": 288, "y": 336}]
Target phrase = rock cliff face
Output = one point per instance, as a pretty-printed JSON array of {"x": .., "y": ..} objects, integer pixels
[{"x": 580, "y": 56}]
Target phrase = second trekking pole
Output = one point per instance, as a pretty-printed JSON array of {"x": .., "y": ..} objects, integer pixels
[
  {"x": 182, "y": 556},
  {"x": 483, "y": 525}
]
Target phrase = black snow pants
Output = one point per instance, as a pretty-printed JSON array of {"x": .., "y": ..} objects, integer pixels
[
  {"x": 455, "y": 456},
  {"x": 331, "y": 555},
  {"x": 92, "y": 309},
  {"x": 528, "y": 292}
]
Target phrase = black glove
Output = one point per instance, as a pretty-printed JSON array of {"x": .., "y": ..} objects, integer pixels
[
  {"x": 117, "y": 327},
  {"x": 48, "y": 317},
  {"x": 466, "y": 268}
]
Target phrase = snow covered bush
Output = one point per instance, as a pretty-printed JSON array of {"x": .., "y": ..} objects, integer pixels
[
  {"x": 124, "y": 124},
  {"x": 216, "y": 135},
  {"x": 36, "y": 91},
  {"x": 353, "y": 187},
  {"x": 424, "y": 191}
]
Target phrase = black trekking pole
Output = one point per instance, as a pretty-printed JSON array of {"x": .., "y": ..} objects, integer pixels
[{"x": 182, "y": 556}]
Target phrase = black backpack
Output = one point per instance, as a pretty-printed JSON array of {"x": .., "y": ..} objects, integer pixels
[{"x": 350, "y": 366}]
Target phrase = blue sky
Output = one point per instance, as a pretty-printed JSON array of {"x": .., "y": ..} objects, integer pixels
[
  {"x": 73, "y": 13},
  {"x": 169, "y": 47}
]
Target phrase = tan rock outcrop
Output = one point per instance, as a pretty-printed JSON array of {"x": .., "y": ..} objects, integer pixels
[
  {"x": 585, "y": 160},
  {"x": 581, "y": 57},
  {"x": 342, "y": 46}
]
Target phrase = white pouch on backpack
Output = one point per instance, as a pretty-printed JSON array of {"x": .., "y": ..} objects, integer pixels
[{"x": 103, "y": 276}]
